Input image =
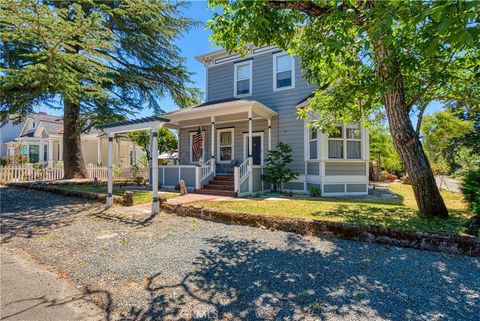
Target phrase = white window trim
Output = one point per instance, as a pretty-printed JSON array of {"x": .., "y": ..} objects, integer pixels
[
  {"x": 242, "y": 63},
  {"x": 309, "y": 140},
  {"x": 225, "y": 130},
  {"x": 245, "y": 146},
  {"x": 344, "y": 139},
  {"x": 203, "y": 147},
  {"x": 280, "y": 54}
]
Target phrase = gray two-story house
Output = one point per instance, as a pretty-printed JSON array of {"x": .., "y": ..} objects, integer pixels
[{"x": 251, "y": 105}]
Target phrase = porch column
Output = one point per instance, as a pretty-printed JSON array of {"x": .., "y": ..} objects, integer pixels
[
  {"x": 41, "y": 152},
  {"x": 50, "y": 152},
  {"x": 154, "y": 152},
  {"x": 110, "y": 171},
  {"x": 250, "y": 158},
  {"x": 269, "y": 134},
  {"x": 60, "y": 148},
  {"x": 99, "y": 151},
  {"x": 213, "y": 144}
]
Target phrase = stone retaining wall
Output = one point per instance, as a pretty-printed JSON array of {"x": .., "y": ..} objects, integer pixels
[{"x": 466, "y": 245}]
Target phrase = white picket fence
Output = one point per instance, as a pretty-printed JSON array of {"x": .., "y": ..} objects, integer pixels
[{"x": 29, "y": 173}]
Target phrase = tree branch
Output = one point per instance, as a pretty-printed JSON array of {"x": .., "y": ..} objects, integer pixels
[{"x": 307, "y": 7}]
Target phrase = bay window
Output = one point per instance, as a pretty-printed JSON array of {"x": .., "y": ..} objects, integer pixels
[
  {"x": 345, "y": 143},
  {"x": 313, "y": 138}
]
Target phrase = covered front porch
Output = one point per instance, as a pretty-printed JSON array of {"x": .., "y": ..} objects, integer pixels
[{"x": 236, "y": 136}]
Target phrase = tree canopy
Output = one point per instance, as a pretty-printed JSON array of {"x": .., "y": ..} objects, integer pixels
[
  {"x": 363, "y": 55},
  {"x": 442, "y": 134},
  {"x": 114, "y": 57},
  {"x": 167, "y": 141}
]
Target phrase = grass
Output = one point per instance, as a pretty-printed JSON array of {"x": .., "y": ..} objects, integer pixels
[
  {"x": 400, "y": 213},
  {"x": 139, "y": 196}
]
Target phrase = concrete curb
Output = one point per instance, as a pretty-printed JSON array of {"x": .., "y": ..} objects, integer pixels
[{"x": 465, "y": 245}]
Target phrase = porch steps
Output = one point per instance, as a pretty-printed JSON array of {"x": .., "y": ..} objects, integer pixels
[{"x": 220, "y": 185}]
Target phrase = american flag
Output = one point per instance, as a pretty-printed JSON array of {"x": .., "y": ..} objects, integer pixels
[{"x": 197, "y": 143}]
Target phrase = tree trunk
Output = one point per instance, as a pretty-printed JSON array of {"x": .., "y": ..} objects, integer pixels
[
  {"x": 405, "y": 139},
  {"x": 73, "y": 163}
]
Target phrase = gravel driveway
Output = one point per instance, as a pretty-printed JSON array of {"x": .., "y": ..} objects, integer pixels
[{"x": 178, "y": 268}]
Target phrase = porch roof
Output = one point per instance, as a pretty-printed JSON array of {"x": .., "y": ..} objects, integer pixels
[
  {"x": 231, "y": 107},
  {"x": 133, "y": 124}
]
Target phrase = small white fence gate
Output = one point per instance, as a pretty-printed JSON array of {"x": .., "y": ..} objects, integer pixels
[{"x": 29, "y": 173}]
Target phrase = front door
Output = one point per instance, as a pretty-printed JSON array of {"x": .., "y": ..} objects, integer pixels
[{"x": 257, "y": 148}]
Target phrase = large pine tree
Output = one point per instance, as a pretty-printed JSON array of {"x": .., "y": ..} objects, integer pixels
[{"x": 98, "y": 60}]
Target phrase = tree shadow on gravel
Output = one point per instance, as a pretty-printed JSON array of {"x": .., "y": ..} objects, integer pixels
[
  {"x": 27, "y": 214},
  {"x": 250, "y": 280}
]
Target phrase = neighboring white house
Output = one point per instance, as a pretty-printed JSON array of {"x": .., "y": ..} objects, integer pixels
[{"x": 41, "y": 137}]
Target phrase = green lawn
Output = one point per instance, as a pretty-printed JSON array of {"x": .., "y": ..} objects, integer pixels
[
  {"x": 400, "y": 213},
  {"x": 139, "y": 197}
]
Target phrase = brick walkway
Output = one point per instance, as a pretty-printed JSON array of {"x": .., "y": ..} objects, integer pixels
[{"x": 196, "y": 198}]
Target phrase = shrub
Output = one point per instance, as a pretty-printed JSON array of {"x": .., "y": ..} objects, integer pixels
[
  {"x": 471, "y": 190},
  {"x": 314, "y": 191},
  {"x": 277, "y": 170}
]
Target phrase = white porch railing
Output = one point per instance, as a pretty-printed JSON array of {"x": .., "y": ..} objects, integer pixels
[
  {"x": 100, "y": 172},
  {"x": 29, "y": 173},
  {"x": 204, "y": 172},
  {"x": 241, "y": 173}
]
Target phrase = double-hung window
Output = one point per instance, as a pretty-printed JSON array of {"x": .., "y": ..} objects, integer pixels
[
  {"x": 345, "y": 143},
  {"x": 283, "y": 71},
  {"x": 225, "y": 144},
  {"x": 313, "y": 138},
  {"x": 243, "y": 78},
  {"x": 33, "y": 153}
]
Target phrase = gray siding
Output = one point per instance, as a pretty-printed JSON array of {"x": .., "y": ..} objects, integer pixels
[
  {"x": 313, "y": 169},
  {"x": 356, "y": 188},
  {"x": 220, "y": 86},
  {"x": 332, "y": 169},
  {"x": 298, "y": 186},
  {"x": 334, "y": 188},
  {"x": 257, "y": 180}
]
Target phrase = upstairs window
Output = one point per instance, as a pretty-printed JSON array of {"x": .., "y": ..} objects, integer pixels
[
  {"x": 243, "y": 78},
  {"x": 313, "y": 143},
  {"x": 283, "y": 71},
  {"x": 347, "y": 141}
]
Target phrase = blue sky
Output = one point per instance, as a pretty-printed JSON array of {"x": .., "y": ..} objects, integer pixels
[{"x": 194, "y": 43}]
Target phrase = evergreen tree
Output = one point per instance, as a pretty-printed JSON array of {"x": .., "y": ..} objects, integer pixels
[{"x": 101, "y": 59}]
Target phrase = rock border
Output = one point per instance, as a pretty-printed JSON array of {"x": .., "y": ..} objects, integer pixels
[
  {"x": 42, "y": 187},
  {"x": 465, "y": 245}
]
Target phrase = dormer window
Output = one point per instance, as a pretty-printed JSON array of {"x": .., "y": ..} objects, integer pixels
[
  {"x": 283, "y": 71},
  {"x": 243, "y": 78}
]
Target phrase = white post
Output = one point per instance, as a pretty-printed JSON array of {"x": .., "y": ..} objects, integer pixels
[
  {"x": 99, "y": 151},
  {"x": 250, "y": 150},
  {"x": 236, "y": 179},
  {"x": 269, "y": 134},
  {"x": 41, "y": 151},
  {"x": 154, "y": 152},
  {"x": 110, "y": 171},
  {"x": 213, "y": 144},
  {"x": 50, "y": 153},
  {"x": 60, "y": 148},
  {"x": 198, "y": 177}
]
